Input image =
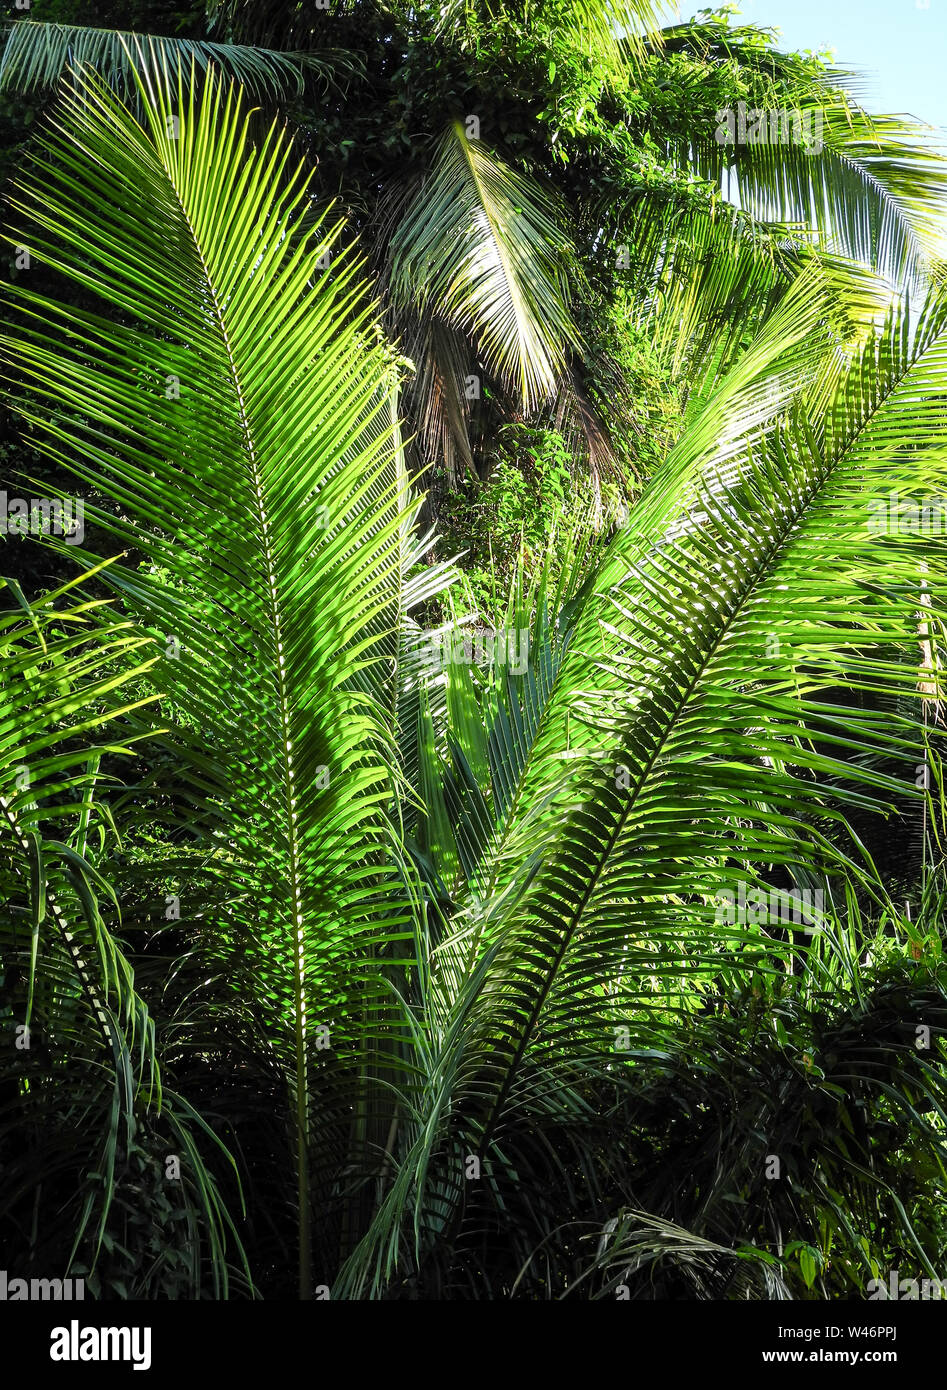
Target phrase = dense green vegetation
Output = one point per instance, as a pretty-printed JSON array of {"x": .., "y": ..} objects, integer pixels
[{"x": 471, "y": 805}]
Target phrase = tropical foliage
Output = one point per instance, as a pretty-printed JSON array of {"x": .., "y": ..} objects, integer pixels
[{"x": 559, "y": 921}]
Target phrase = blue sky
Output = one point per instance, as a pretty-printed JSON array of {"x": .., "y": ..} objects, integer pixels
[{"x": 899, "y": 46}]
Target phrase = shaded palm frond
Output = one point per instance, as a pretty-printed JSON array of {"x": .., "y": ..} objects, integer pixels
[
  {"x": 85, "y": 1121},
  {"x": 37, "y": 55}
]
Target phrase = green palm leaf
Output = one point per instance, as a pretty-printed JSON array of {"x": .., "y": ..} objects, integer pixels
[
  {"x": 37, "y": 56},
  {"x": 873, "y": 191},
  {"x": 479, "y": 245},
  {"x": 709, "y": 750},
  {"x": 253, "y": 479},
  {"x": 706, "y": 279},
  {"x": 88, "y": 1079}
]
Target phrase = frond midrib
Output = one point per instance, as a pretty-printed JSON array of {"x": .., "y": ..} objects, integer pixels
[
  {"x": 761, "y": 571},
  {"x": 285, "y": 706}
]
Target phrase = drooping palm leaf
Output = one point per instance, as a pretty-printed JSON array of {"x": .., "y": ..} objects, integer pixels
[
  {"x": 480, "y": 245},
  {"x": 84, "y": 1115},
  {"x": 872, "y": 188},
  {"x": 37, "y": 55},
  {"x": 703, "y": 280}
]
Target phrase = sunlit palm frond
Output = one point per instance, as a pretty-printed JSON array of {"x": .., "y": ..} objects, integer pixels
[
  {"x": 480, "y": 246},
  {"x": 723, "y": 756},
  {"x": 256, "y": 482},
  {"x": 872, "y": 188}
]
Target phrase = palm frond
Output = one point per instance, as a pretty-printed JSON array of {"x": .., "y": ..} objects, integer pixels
[
  {"x": 872, "y": 188},
  {"x": 480, "y": 246},
  {"x": 254, "y": 482},
  {"x": 706, "y": 279},
  {"x": 85, "y": 1118},
  {"x": 37, "y": 55},
  {"x": 707, "y": 755}
]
